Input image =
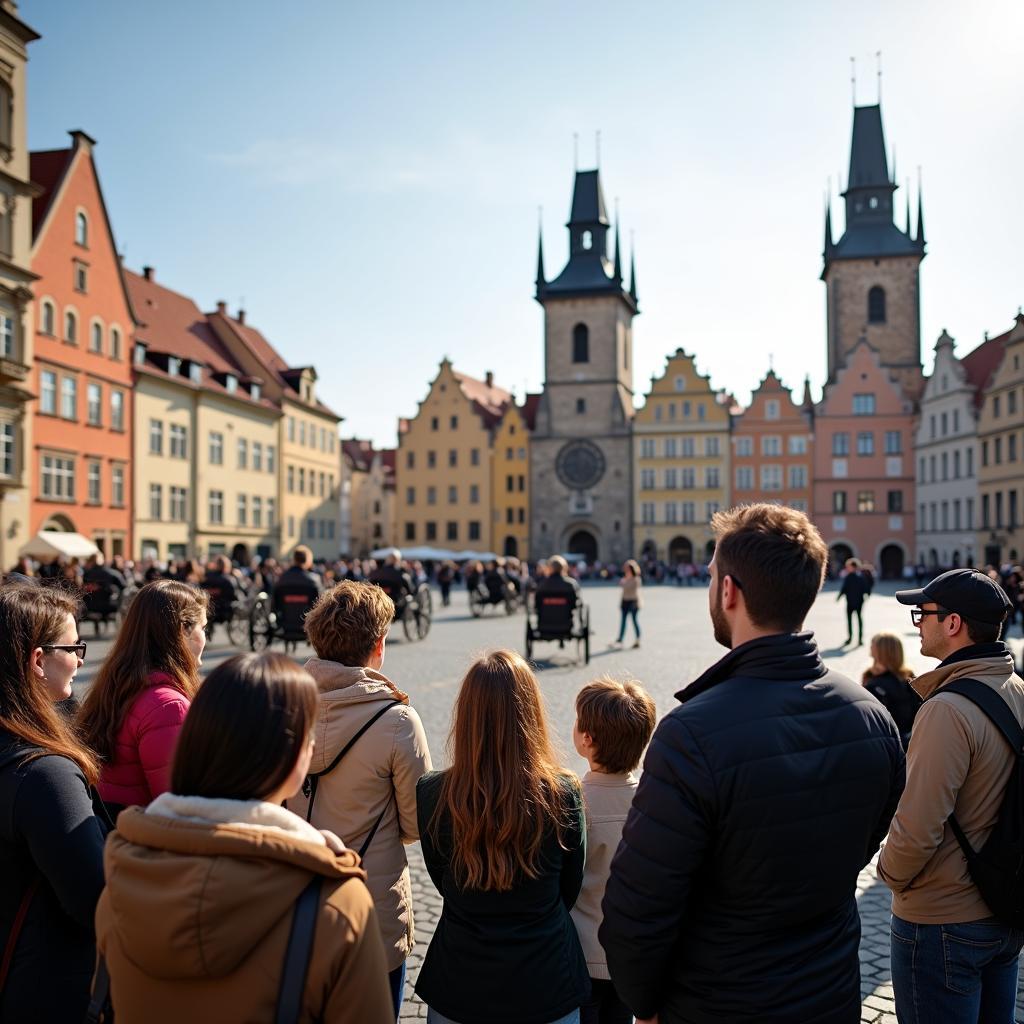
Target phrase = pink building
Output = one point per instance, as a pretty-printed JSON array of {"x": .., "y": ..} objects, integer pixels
[{"x": 864, "y": 467}]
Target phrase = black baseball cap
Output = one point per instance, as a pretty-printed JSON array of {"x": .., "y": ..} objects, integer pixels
[{"x": 969, "y": 593}]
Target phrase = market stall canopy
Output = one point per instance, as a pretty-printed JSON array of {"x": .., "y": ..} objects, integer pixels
[
  {"x": 55, "y": 544},
  {"x": 423, "y": 554}
]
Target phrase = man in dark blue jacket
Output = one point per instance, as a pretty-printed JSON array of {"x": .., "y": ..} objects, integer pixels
[{"x": 732, "y": 894}]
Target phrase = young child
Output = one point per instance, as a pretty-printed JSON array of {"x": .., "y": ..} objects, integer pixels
[{"x": 614, "y": 722}]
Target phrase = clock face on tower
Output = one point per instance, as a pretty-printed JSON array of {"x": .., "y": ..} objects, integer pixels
[{"x": 580, "y": 465}]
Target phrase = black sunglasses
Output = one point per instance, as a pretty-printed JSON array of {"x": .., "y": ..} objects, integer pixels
[
  {"x": 917, "y": 614},
  {"x": 78, "y": 649}
]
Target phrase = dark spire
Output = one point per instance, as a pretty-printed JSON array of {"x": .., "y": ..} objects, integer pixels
[
  {"x": 868, "y": 165},
  {"x": 828, "y": 226},
  {"x": 908, "y": 208},
  {"x": 632, "y": 274},
  {"x": 920, "y": 218},
  {"x": 540, "y": 260},
  {"x": 617, "y": 272},
  {"x": 807, "y": 401}
]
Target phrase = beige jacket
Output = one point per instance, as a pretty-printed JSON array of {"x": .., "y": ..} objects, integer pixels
[
  {"x": 958, "y": 762},
  {"x": 607, "y": 798},
  {"x": 378, "y": 774},
  {"x": 199, "y": 903}
]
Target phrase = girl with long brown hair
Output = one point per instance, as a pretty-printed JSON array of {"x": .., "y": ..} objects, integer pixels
[
  {"x": 51, "y": 841},
  {"x": 133, "y": 712},
  {"x": 503, "y": 839},
  {"x": 888, "y": 679}
]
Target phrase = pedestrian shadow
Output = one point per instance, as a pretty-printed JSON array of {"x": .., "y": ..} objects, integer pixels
[{"x": 836, "y": 652}]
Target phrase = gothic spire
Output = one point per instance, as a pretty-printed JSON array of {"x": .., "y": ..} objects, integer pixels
[
  {"x": 540, "y": 260},
  {"x": 920, "y": 218},
  {"x": 632, "y": 274},
  {"x": 828, "y": 226},
  {"x": 617, "y": 272}
]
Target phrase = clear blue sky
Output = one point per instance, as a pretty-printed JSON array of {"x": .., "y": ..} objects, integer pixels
[{"x": 367, "y": 176}]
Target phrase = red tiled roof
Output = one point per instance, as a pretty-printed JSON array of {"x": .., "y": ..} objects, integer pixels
[
  {"x": 388, "y": 458},
  {"x": 46, "y": 169},
  {"x": 529, "y": 410},
  {"x": 359, "y": 453},
  {"x": 489, "y": 401},
  {"x": 982, "y": 362}
]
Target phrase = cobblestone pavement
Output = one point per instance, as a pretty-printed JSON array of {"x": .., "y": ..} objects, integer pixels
[{"x": 677, "y": 646}]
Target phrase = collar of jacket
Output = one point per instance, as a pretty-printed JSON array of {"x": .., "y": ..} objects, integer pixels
[
  {"x": 332, "y": 675},
  {"x": 779, "y": 656},
  {"x": 969, "y": 662}
]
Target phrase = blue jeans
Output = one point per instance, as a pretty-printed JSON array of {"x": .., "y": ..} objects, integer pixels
[
  {"x": 955, "y": 973},
  {"x": 628, "y": 610},
  {"x": 433, "y": 1017},
  {"x": 396, "y": 981}
]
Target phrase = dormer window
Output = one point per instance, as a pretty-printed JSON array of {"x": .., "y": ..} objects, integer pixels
[
  {"x": 81, "y": 229},
  {"x": 195, "y": 373},
  {"x": 140, "y": 353},
  {"x": 230, "y": 383},
  {"x": 254, "y": 391},
  {"x": 173, "y": 365}
]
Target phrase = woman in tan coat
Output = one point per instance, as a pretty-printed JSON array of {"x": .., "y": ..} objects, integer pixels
[
  {"x": 370, "y": 753},
  {"x": 204, "y": 884}
]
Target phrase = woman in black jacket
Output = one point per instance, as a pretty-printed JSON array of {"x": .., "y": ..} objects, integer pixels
[
  {"x": 504, "y": 842},
  {"x": 888, "y": 680},
  {"x": 51, "y": 841}
]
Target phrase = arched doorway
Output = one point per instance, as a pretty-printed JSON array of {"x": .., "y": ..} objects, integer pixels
[
  {"x": 838, "y": 555},
  {"x": 649, "y": 551},
  {"x": 890, "y": 560},
  {"x": 510, "y": 548},
  {"x": 240, "y": 554},
  {"x": 583, "y": 542},
  {"x": 680, "y": 549},
  {"x": 60, "y": 523}
]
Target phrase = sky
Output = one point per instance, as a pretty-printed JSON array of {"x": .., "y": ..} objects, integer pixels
[{"x": 367, "y": 179}]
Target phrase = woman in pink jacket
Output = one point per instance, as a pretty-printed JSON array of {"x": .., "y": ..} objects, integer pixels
[{"x": 133, "y": 712}]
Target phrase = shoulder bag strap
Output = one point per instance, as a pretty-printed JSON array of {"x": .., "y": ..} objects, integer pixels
[
  {"x": 296, "y": 957},
  {"x": 99, "y": 1002},
  {"x": 376, "y": 825},
  {"x": 309, "y": 787},
  {"x": 16, "y": 926}
]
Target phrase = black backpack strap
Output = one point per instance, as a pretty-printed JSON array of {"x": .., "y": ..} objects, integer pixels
[
  {"x": 309, "y": 787},
  {"x": 99, "y": 1008},
  {"x": 296, "y": 957},
  {"x": 376, "y": 825}
]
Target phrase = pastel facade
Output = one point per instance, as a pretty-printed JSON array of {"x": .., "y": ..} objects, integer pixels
[
  {"x": 864, "y": 472},
  {"x": 16, "y": 288},
  {"x": 1000, "y": 538},
  {"x": 443, "y": 471},
  {"x": 510, "y": 487},
  {"x": 368, "y": 489},
  {"x": 82, "y": 425},
  {"x": 773, "y": 447},
  {"x": 681, "y": 450}
]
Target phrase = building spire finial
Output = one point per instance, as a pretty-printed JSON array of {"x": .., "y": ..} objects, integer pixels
[{"x": 853, "y": 79}]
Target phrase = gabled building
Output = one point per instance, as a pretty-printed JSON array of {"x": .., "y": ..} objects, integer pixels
[
  {"x": 773, "y": 447},
  {"x": 1001, "y": 455},
  {"x": 368, "y": 496},
  {"x": 510, "y": 512},
  {"x": 16, "y": 286},
  {"x": 443, "y": 471},
  {"x": 309, "y": 499},
  {"x": 945, "y": 448},
  {"x": 197, "y": 412},
  {"x": 863, "y": 465},
  {"x": 681, "y": 452},
  {"x": 82, "y": 423}
]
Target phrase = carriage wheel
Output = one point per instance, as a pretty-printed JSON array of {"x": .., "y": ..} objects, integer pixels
[
  {"x": 238, "y": 628},
  {"x": 260, "y": 628},
  {"x": 476, "y": 604},
  {"x": 409, "y": 622},
  {"x": 423, "y": 622},
  {"x": 425, "y": 600}
]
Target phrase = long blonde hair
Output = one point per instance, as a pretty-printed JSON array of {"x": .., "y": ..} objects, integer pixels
[
  {"x": 504, "y": 789},
  {"x": 888, "y": 652}
]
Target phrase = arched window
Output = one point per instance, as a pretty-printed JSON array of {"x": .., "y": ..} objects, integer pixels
[
  {"x": 81, "y": 228},
  {"x": 580, "y": 344},
  {"x": 876, "y": 305},
  {"x": 115, "y": 343},
  {"x": 96, "y": 337},
  {"x": 588, "y": 240},
  {"x": 48, "y": 325},
  {"x": 70, "y": 327},
  {"x": 6, "y": 115}
]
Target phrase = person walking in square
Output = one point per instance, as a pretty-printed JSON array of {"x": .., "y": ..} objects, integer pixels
[
  {"x": 732, "y": 896},
  {"x": 953, "y": 960},
  {"x": 631, "y": 585},
  {"x": 856, "y": 588},
  {"x": 614, "y": 722}
]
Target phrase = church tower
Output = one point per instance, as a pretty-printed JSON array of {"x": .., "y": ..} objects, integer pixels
[
  {"x": 580, "y": 448},
  {"x": 872, "y": 273}
]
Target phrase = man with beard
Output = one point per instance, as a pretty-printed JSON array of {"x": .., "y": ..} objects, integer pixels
[{"x": 732, "y": 894}]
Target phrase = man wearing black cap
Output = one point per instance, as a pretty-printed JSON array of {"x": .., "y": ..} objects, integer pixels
[{"x": 952, "y": 960}]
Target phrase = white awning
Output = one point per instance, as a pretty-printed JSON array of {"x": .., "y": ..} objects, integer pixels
[{"x": 55, "y": 543}]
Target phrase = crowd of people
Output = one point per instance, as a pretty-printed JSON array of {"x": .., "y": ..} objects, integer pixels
[{"x": 234, "y": 849}]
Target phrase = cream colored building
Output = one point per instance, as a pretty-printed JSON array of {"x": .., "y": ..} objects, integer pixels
[
  {"x": 16, "y": 327},
  {"x": 682, "y": 464},
  {"x": 510, "y": 475},
  {"x": 443, "y": 464},
  {"x": 309, "y": 478},
  {"x": 207, "y": 453},
  {"x": 368, "y": 481}
]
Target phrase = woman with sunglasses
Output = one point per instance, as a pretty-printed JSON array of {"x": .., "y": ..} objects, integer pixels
[
  {"x": 134, "y": 710},
  {"x": 51, "y": 840}
]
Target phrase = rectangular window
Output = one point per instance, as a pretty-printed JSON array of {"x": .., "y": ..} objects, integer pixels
[
  {"x": 7, "y": 335},
  {"x": 216, "y": 449},
  {"x": 117, "y": 486},
  {"x": 94, "y": 404},
  {"x": 984, "y": 453},
  {"x": 117, "y": 410},
  {"x": 474, "y": 494},
  {"x": 156, "y": 437},
  {"x": 670, "y": 447},
  {"x": 410, "y": 495},
  {"x": 474, "y": 456},
  {"x": 1012, "y": 510},
  {"x": 771, "y": 409},
  {"x": 302, "y": 432},
  {"x": 970, "y": 513},
  {"x": 302, "y": 479},
  {"x": 771, "y": 478},
  {"x": 243, "y": 453},
  {"x": 92, "y": 479},
  {"x": 841, "y": 444},
  {"x": 771, "y": 445},
  {"x": 865, "y": 501},
  {"x": 69, "y": 398},
  {"x": 671, "y": 479},
  {"x": 410, "y": 531},
  {"x": 271, "y": 512},
  {"x": 474, "y": 529},
  {"x": 431, "y": 459},
  {"x": 998, "y": 451},
  {"x": 453, "y": 495},
  {"x": 271, "y": 463},
  {"x": 670, "y": 511},
  {"x": 179, "y": 441},
  {"x": 865, "y": 443},
  {"x": 864, "y": 405},
  {"x": 688, "y": 448},
  {"x": 291, "y": 479},
  {"x": 1011, "y": 448},
  {"x": 453, "y": 457},
  {"x": 689, "y": 478},
  {"x": 6, "y": 449},
  {"x": 647, "y": 448},
  {"x": 58, "y": 478},
  {"x": 711, "y": 445},
  {"x": 431, "y": 495},
  {"x": 311, "y": 528},
  {"x": 744, "y": 478},
  {"x": 179, "y": 503},
  {"x": 48, "y": 392},
  {"x": 451, "y": 530},
  {"x": 894, "y": 502},
  {"x": 689, "y": 511},
  {"x": 156, "y": 501},
  {"x": 431, "y": 528},
  {"x": 839, "y": 501},
  {"x": 242, "y": 517},
  {"x": 797, "y": 444},
  {"x": 893, "y": 442},
  {"x": 744, "y": 446},
  {"x": 216, "y": 507},
  {"x": 647, "y": 479},
  {"x": 970, "y": 463},
  {"x": 797, "y": 476},
  {"x": 257, "y": 458},
  {"x": 647, "y": 512},
  {"x": 711, "y": 476},
  {"x": 257, "y": 511}
]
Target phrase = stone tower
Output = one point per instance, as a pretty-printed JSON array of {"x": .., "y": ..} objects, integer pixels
[
  {"x": 580, "y": 464},
  {"x": 872, "y": 273}
]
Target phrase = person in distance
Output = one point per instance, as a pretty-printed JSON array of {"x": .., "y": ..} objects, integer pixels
[{"x": 887, "y": 679}]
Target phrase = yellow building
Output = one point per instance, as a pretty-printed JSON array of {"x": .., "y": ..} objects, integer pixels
[
  {"x": 443, "y": 464},
  {"x": 309, "y": 493},
  {"x": 16, "y": 327},
  {"x": 510, "y": 480},
  {"x": 206, "y": 437},
  {"x": 368, "y": 497},
  {"x": 681, "y": 464}
]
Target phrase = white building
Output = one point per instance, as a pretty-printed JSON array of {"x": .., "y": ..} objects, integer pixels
[{"x": 945, "y": 449}]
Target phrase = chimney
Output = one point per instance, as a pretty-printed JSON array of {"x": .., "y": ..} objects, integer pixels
[
  {"x": 489, "y": 378},
  {"x": 222, "y": 307},
  {"x": 241, "y": 316},
  {"x": 147, "y": 273}
]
